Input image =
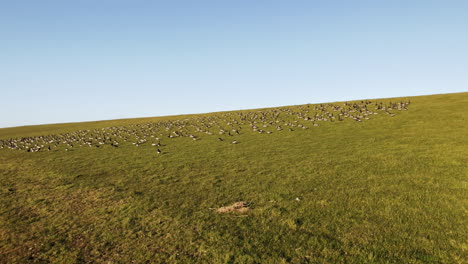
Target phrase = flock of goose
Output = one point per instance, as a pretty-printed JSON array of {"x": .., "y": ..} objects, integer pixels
[{"x": 225, "y": 126}]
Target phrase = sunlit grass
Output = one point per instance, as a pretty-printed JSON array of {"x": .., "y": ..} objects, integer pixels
[{"x": 391, "y": 189}]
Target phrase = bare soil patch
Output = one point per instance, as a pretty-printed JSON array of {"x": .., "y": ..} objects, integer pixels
[{"x": 237, "y": 207}]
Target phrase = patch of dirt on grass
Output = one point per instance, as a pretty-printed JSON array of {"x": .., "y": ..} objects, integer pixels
[{"x": 237, "y": 207}]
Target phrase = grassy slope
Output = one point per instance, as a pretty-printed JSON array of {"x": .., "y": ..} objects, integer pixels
[{"x": 385, "y": 190}]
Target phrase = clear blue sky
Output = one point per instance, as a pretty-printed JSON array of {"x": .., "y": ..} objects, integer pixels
[{"x": 65, "y": 61}]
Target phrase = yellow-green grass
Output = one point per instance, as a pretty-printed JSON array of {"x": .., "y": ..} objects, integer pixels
[{"x": 387, "y": 190}]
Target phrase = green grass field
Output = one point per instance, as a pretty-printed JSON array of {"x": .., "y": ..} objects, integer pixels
[{"x": 391, "y": 189}]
